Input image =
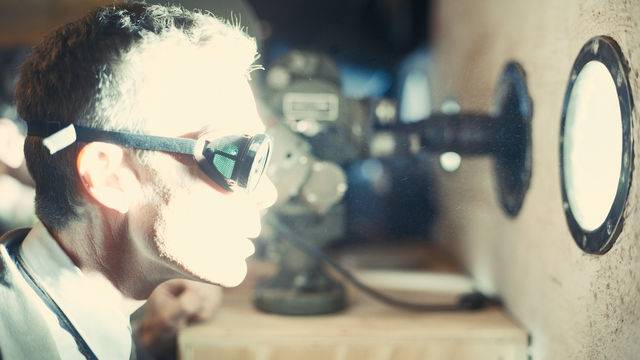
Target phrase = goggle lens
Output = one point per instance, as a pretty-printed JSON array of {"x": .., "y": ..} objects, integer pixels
[{"x": 236, "y": 160}]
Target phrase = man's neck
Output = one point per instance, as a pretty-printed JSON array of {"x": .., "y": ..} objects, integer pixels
[
  {"x": 77, "y": 299},
  {"x": 102, "y": 244}
]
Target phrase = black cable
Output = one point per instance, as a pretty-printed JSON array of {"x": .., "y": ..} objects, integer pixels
[{"x": 470, "y": 301}]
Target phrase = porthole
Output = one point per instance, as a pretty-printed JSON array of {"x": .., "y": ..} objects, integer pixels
[{"x": 595, "y": 145}]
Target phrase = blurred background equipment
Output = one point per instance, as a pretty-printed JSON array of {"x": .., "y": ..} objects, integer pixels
[
  {"x": 310, "y": 191},
  {"x": 307, "y": 101},
  {"x": 504, "y": 134},
  {"x": 16, "y": 187},
  {"x": 329, "y": 85},
  {"x": 303, "y": 89}
]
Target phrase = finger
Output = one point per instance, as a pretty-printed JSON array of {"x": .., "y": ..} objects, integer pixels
[
  {"x": 175, "y": 286},
  {"x": 212, "y": 303},
  {"x": 207, "y": 292},
  {"x": 190, "y": 302}
]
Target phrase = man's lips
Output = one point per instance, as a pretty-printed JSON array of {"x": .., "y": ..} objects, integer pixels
[{"x": 248, "y": 248}]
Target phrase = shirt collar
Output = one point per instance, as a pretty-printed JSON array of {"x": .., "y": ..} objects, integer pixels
[{"x": 90, "y": 301}]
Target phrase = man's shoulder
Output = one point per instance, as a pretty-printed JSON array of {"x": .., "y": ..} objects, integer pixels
[
  {"x": 14, "y": 235},
  {"x": 11, "y": 290},
  {"x": 7, "y": 242},
  {"x": 23, "y": 330}
]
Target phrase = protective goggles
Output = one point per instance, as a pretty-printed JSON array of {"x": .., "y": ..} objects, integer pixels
[{"x": 230, "y": 161}]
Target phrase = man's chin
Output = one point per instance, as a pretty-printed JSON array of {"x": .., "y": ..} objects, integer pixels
[
  {"x": 235, "y": 280},
  {"x": 224, "y": 277},
  {"x": 233, "y": 283},
  {"x": 227, "y": 271}
]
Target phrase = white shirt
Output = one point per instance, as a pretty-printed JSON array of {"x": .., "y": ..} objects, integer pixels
[{"x": 98, "y": 311}]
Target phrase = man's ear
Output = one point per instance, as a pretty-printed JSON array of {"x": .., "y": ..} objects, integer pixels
[{"x": 106, "y": 176}]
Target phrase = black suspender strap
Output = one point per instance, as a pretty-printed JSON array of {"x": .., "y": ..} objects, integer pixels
[{"x": 66, "y": 324}]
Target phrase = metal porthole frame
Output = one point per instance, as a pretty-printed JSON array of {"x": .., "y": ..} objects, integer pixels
[{"x": 600, "y": 240}]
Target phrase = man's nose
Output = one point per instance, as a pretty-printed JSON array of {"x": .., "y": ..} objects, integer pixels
[{"x": 265, "y": 193}]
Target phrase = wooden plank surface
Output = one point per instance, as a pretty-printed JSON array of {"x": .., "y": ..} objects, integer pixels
[{"x": 365, "y": 330}]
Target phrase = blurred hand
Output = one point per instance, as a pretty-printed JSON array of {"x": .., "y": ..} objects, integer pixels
[
  {"x": 173, "y": 305},
  {"x": 11, "y": 153}
]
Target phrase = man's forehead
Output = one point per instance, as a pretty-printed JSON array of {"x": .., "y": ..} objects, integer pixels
[{"x": 198, "y": 109}]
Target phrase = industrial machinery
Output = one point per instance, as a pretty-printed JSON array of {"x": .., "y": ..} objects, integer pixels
[{"x": 318, "y": 131}]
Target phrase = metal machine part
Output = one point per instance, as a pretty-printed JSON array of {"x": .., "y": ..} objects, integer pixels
[
  {"x": 324, "y": 188},
  {"x": 290, "y": 164},
  {"x": 301, "y": 286},
  {"x": 304, "y": 92},
  {"x": 505, "y": 134},
  {"x": 513, "y": 105},
  {"x": 309, "y": 201},
  {"x": 318, "y": 130},
  {"x": 314, "y": 135},
  {"x": 297, "y": 173}
]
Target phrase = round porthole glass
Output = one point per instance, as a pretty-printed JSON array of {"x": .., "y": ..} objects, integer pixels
[{"x": 595, "y": 145}]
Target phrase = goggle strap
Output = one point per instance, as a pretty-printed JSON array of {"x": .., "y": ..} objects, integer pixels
[
  {"x": 142, "y": 142},
  {"x": 72, "y": 133}
]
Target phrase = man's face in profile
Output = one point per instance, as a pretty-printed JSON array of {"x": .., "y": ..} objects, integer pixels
[{"x": 190, "y": 222}]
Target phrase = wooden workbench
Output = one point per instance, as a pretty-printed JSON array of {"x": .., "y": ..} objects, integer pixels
[{"x": 365, "y": 330}]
